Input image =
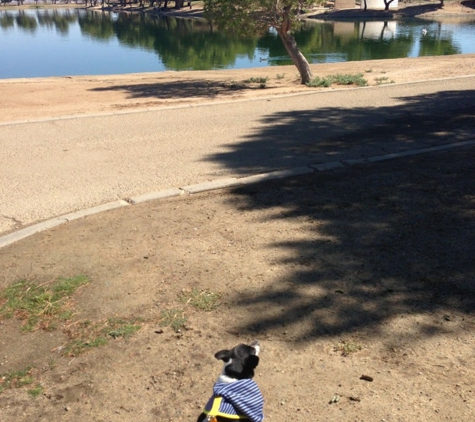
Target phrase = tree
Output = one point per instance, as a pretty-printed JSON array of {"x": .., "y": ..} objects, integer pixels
[
  {"x": 387, "y": 4},
  {"x": 257, "y": 16}
]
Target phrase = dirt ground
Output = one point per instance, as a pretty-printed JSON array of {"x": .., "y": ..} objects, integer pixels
[
  {"x": 376, "y": 261},
  {"x": 366, "y": 270}
]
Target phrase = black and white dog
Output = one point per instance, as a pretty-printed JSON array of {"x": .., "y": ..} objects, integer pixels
[{"x": 235, "y": 394}]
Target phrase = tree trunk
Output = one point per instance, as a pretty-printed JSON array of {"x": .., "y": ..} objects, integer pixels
[
  {"x": 297, "y": 57},
  {"x": 387, "y": 4}
]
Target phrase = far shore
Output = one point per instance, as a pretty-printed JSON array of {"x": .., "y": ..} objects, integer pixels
[{"x": 424, "y": 9}]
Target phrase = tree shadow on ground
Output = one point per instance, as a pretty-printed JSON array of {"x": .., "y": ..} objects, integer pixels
[
  {"x": 418, "y": 9},
  {"x": 382, "y": 241},
  {"x": 179, "y": 89},
  {"x": 295, "y": 138},
  {"x": 468, "y": 3}
]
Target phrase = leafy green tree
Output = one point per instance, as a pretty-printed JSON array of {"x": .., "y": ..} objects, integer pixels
[{"x": 257, "y": 16}]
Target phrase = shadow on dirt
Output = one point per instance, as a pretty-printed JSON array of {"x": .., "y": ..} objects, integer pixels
[
  {"x": 295, "y": 138},
  {"x": 468, "y": 3},
  {"x": 387, "y": 240},
  {"x": 179, "y": 89}
]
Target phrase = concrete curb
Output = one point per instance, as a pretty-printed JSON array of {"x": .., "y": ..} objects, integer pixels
[
  {"x": 95, "y": 210},
  {"x": 169, "y": 193},
  {"x": 30, "y": 230},
  {"x": 214, "y": 185},
  {"x": 56, "y": 221},
  {"x": 297, "y": 171}
]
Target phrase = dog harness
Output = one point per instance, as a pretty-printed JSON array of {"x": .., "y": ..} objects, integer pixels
[{"x": 241, "y": 399}]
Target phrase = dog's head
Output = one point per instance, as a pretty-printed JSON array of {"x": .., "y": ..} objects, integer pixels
[{"x": 240, "y": 361}]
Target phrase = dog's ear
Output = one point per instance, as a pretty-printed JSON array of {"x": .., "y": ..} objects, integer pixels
[
  {"x": 223, "y": 355},
  {"x": 252, "y": 361}
]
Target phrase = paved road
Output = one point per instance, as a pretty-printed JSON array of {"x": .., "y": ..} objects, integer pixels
[{"x": 49, "y": 168}]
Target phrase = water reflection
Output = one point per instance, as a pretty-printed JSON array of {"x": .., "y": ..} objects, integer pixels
[
  {"x": 178, "y": 44},
  {"x": 57, "y": 20},
  {"x": 353, "y": 41},
  {"x": 25, "y": 22}
]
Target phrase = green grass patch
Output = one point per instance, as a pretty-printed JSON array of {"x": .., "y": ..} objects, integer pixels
[
  {"x": 173, "y": 318},
  {"x": 320, "y": 82},
  {"x": 261, "y": 81},
  {"x": 256, "y": 80},
  {"x": 356, "y": 79},
  {"x": 84, "y": 335},
  {"x": 123, "y": 328},
  {"x": 204, "y": 300},
  {"x": 383, "y": 80},
  {"x": 347, "y": 348},
  {"x": 40, "y": 305},
  {"x": 235, "y": 85},
  {"x": 16, "y": 379},
  {"x": 78, "y": 347},
  {"x": 339, "y": 79},
  {"x": 35, "y": 391},
  {"x": 44, "y": 306}
]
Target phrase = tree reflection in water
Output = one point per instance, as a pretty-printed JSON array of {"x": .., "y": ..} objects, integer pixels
[{"x": 191, "y": 44}]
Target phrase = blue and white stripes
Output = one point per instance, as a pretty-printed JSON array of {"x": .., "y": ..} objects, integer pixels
[{"x": 241, "y": 399}]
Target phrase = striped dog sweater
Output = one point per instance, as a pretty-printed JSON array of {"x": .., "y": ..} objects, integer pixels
[{"x": 241, "y": 399}]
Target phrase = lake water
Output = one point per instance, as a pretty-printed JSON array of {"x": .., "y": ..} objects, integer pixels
[{"x": 61, "y": 42}]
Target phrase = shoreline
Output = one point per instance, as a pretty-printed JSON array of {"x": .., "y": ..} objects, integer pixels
[
  {"x": 26, "y": 99},
  {"x": 420, "y": 9}
]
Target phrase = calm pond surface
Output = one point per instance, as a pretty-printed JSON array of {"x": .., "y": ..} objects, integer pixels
[{"x": 61, "y": 42}]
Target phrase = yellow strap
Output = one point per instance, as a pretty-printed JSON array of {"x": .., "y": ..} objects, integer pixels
[
  {"x": 215, "y": 410},
  {"x": 216, "y": 404}
]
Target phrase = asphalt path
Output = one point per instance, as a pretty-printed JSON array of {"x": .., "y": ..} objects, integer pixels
[{"x": 52, "y": 167}]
